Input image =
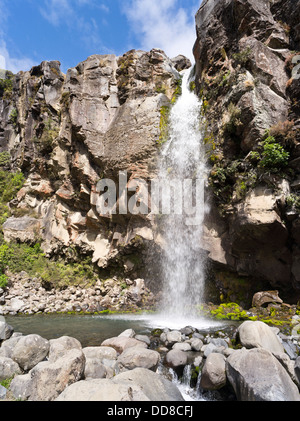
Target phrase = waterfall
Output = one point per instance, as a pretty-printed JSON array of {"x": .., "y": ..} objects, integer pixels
[{"x": 183, "y": 171}]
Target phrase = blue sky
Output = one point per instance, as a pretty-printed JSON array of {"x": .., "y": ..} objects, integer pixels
[{"x": 32, "y": 31}]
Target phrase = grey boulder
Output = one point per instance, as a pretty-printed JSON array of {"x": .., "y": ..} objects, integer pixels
[
  {"x": 213, "y": 376},
  {"x": 256, "y": 375},
  {"x": 139, "y": 357},
  {"x": 139, "y": 384},
  {"x": 30, "y": 350},
  {"x": 259, "y": 335}
]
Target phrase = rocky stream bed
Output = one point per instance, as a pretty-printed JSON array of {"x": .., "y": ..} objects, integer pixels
[{"x": 247, "y": 362}]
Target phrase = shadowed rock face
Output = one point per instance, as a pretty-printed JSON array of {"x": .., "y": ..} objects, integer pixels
[{"x": 243, "y": 53}]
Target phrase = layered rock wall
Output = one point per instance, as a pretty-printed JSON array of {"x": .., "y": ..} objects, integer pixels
[
  {"x": 67, "y": 132},
  {"x": 246, "y": 56}
]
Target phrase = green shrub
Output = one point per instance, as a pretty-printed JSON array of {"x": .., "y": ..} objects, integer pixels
[
  {"x": 3, "y": 281},
  {"x": 293, "y": 201},
  {"x": 242, "y": 57},
  {"x": 164, "y": 124},
  {"x": 4, "y": 159},
  {"x": 31, "y": 259},
  {"x": 10, "y": 184},
  {"x": 230, "y": 311},
  {"x": 13, "y": 117},
  {"x": 6, "y": 86},
  {"x": 273, "y": 155},
  {"x": 46, "y": 141},
  {"x": 178, "y": 91},
  {"x": 231, "y": 126}
]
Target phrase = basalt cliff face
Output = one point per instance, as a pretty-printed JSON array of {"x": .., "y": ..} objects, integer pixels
[
  {"x": 246, "y": 55},
  {"x": 106, "y": 116},
  {"x": 67, "y": 132}
]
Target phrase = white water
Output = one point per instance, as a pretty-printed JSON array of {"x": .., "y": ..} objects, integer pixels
[{"x": 183, "y": 158}]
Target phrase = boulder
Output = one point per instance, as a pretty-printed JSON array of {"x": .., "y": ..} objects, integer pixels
[
  {"x": 139, "y": 357},
  {"x": 196, "y": 344},
  {"x": 6, "y": 331},
  {"x": 176, "y": 358},
  {"x": 121, "y": 343},
  {"x": 16, "y": 304},
  {"x": 8, "y": 368},
  {"x": 213, "y": 375},
  {"x": 3, "y": 392},
  {"x": 136, "y": 385},
  {"x": 100, "y": 353},
  {"x": 174, "y": 336},
  {"x": 143, "y": 338},
  {"x": 21, "y": 387},
  {"x": 297, "y": 368},
  {"x": 182, "y": 346},
  {"x": 256, "y": 375},
  {"x": 129, "y": 333},
  {"x": 59, "y": 347},
  {"x": 48, "y": 379},
  {"x": 155, "y": 386},
  {"x": 7, "y": 347},
  {"x": 259, "y": 335},
  {"x": 94, "y": 369},
  {"x": 24, "y": 229},
  {"x": 265, "y": 297},
  {"x": 181, "y": 62},
  {"x": 30, "y": 350},
  {"x": 101, "y": 390}
]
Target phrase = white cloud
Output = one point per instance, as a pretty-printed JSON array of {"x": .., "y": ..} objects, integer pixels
[
  {"x": 69, "y": 13},
  {"x": 7, "y": 60},
  {"x": 14, "y": 64},
  {"x": 163, "y": 24}
]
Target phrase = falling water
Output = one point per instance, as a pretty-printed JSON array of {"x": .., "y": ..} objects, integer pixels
[{"x": 183, "y": 161}]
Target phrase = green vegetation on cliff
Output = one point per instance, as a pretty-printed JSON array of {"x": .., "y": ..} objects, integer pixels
[
  {"x": 32, "y": 260},
  {"x": 10, "y": 184},
  {"x": 6, "y": 85}
]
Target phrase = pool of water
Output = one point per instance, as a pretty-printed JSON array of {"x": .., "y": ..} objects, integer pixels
[{"x": 92, "y": 330}]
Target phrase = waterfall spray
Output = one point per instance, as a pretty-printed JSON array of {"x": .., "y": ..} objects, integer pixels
[{"x": 183, "y": 160}]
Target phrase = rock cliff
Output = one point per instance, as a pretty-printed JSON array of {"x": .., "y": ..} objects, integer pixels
[
  {"x": 246, "y": 57},
  {"x": 67, "y": 132}
]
